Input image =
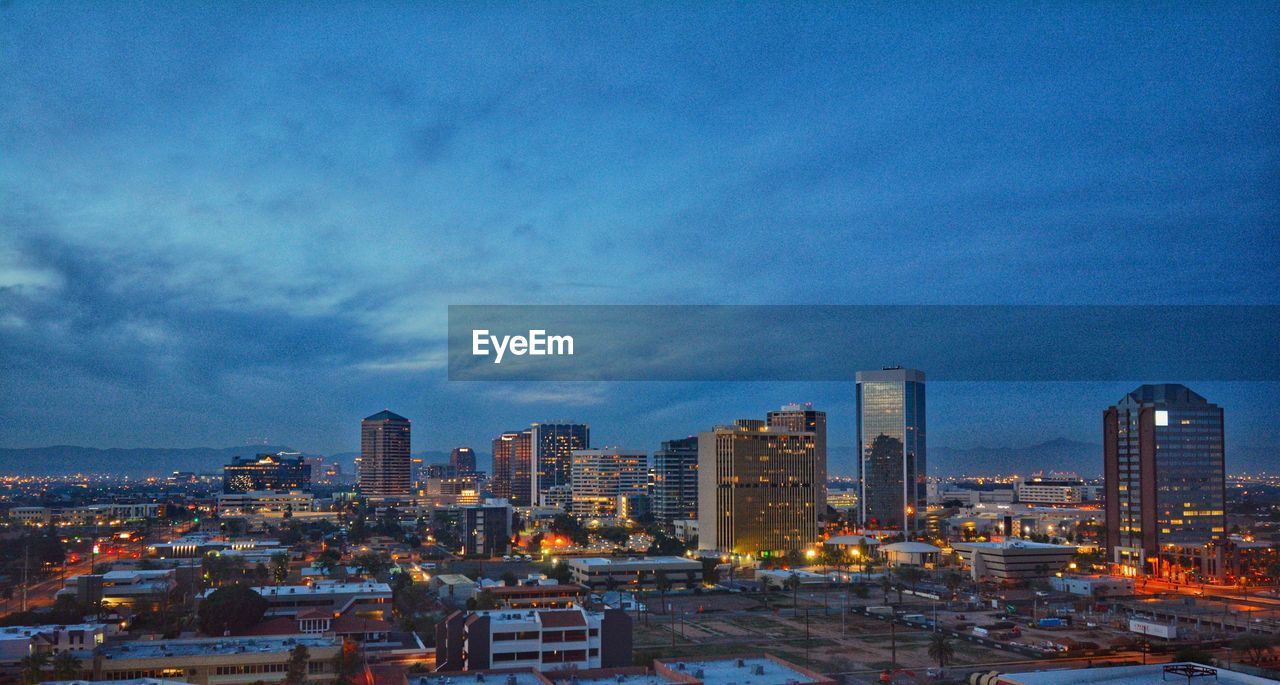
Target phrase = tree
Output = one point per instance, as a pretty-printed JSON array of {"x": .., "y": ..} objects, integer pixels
[
  {"x": 65, "y": 666},
  {"x": 1193, "y": 654},
  {"x": 663, "y": 585},
  {"x": 33, "y": 667},
  {"x": 296, "y": 669},
  {"x": 372, "y": 564},
  {"x": 348, "y": 663},
  {"x": 261, "y": 573},
  {"x": 484, "y": 600},
  {"x": 792, "y": 583},
  {"x": 1256, "y": 646},
  {"x": 940, "y": 648},
  {"x": 230, "y": 609},
  {"x": 910, "y": 575},
  {"x": 279, "y": 567},
  {"x": 509, "y": 579},
  {"x": 953, "y": 581},
  {"x": 861, "y": 591}
]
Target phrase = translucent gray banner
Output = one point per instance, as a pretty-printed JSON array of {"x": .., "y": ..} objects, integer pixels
[{"x": 833, "y": 342}]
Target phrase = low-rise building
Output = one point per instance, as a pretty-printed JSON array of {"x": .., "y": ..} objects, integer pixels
[
  {"x": 595, "y": 572},
  {"x": 216, "y": 661},
  {"x": 137, "y": 589},
  {"x": 1133, "y": 675},
  {"x": 743, "y": 670},
  {"x": 259, "y": 501},
  {"x": 19, "y": 642},
  {"x": 336, "y": 598},
  {"x": 1014, "y": 559},
  {"x": 541, "y": 639},
  {"x": 537, "y": 596},
  {"x": 1093, "y": 586},
  {"x": 454, "y": 588}
]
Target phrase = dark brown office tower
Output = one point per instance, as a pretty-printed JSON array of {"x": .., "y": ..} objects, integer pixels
[
  {"x": 1165, "y": 480},
  {"x": 384, "y": 456},
  {"x": 463, "y": 460},
  {"x": 512, "y": 454}
]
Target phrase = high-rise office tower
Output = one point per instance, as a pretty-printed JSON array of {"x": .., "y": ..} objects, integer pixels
[
  {"x": 757, "y": 489},
  {"x": 803, "y": 417},
  {"x": 279, "y": 471},
  {"x": 891, "y": 446},
  {"x": 462, "y": 460},
  {"x": 511, "y": 467},
  {"x": 599, "y": 477},
  {"x": 553, "y": 445},
  {"x": 1165, "y": 476},
  {"x": 675, "y": 480},
  {"x": 384, "y": 456}
]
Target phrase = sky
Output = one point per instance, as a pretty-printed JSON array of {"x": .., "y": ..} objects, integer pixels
[{"x": 228, "y": 222}]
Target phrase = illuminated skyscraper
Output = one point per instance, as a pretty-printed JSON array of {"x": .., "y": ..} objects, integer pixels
[
  {"x": 675, "y": 480},
  {"x": 803, "y": 417},
  {"x": 757, "y": 489},
  {"x": 891, "y": 444},
  {"x": 1165, "y": 478},
  {"x": 599, "y": 477},
  {"x": 553, "y": 445},
  {"x": 462, "y": 460},
  {"x": 385, "y": 468}
]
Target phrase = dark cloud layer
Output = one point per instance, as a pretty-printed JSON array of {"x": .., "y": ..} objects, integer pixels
[{"x": 227, "y": 222}]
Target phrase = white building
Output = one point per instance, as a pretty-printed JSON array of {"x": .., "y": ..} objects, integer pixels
[
  {"x": 259, "y": 501},
  {"x": 599, "y": 477},
  {"x": 631, "y": 574},
  {"x": 19, "y": 642},
  {"x": 1054, "y": 489},
  {"x": 1014, "y": 559},
  {"x": 364, "y": 599},
  {"x": 545, "y": 640}
]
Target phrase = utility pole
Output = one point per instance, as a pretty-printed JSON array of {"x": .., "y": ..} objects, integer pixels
[{"x": 26, "y": 548}]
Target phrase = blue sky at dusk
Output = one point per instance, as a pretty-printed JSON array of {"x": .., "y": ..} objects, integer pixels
[{"x": 244, "y": 221}]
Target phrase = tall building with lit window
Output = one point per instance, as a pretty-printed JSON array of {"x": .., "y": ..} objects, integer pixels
[
  {"x": 758, "y": 490},
  {"x": 1163, "y": 458},
  {"x": 511, "y": 467},
  {"x": 270, "y": 472},
  {"x": 675, "y": 480},
  {"x": 385, "y": 468},
  {"x": 552, "y": 447},
  {"x": 803, "y": 417},
  {"x": 891, "y": 444},
  {"x": 599, "y": 477},
  {"x": 462, "y": 460}
]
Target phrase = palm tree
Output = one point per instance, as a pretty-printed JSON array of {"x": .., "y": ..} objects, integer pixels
[
  {"x": 65, "y": 666},
  {"x": 663, "y": 584},
  {"x": 940, "y": 648},
  {"x": 886, "y": 584},
  {"x": 33, "y": 667},
  {"x": 279, "y": 567},
  {"x": 792, "y": 583}
]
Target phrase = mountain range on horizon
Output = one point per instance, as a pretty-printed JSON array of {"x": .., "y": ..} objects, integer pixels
[{"x": 1059, "y": 454}]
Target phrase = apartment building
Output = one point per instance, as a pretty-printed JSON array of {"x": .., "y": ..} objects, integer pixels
[
  {"x": 216, "y": 661},
  {"x": 543, "y": 640}
]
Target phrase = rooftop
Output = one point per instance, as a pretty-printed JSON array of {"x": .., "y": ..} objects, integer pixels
[
  {"x": 521, "y": 677},
  {"x": 385, "y": 415},
  {"x": 590, "y": 562},
  {"x": 744, "y": 671},
  {"x": 1012, "y": 544},
  {"x": 155, "y": 649},
  {"x": 319, "y": 589},
  {"x": 1128, "y": 675}
]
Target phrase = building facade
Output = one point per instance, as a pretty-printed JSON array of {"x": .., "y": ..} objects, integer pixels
[
  {"x": 552, "y": 454},
  {"x": 758, "y": 489},
  {"x": 675, "y": 480},
  {"x": 891, "y": 442},
  {"x": 463, "y": 460},
  {"x": 486, "y": 529},
  {"x": 804, "y": 418},
  {"x": 385, "y": 468},
  {"x": 544, "y": 640},
  {"x": 280, "y": 471},
  {"x": 642, "y": 573},
  {"x": 1051, "y": 489},
  {"x": 511, "y": 480},
  {"x": 599, "y": 477},
  {"x": 1163, "y": 454}
]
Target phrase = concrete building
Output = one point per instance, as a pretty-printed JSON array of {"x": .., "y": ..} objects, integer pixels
[
  {"x": 385, "y": 470},
  {"x": 758, "y": 489},
  {"x": 280, "y": 471},
  {"x": 486, "y": 529},
  {"x": 599, "y": 477},
  {"x": 892, "y": 454},
  {"x": 733, "y": 670},
  {"x": 1184, "y": 672},
  {"x": 1093, "y": 586},
  {"x": 1054, "y": 489},
  {"x": 1013, "y": 560},
  {"x": 675, "y": 480},
  {"x": 1165, "y": 477},
  {"x": 544, "y": 640},
  {"x": 216, "y": 661},
  {"x": 136, "y": 589},
  {"x": 265, "y": 501},
  {"x": 19, "y": 642},
  {"x": 552, "y": 446},
  {"x": 803, "y": 418},
  {"x": 336, "y": 598},
  {"x": 910, "y": 553},
  {"x": 636, "y": 573}
]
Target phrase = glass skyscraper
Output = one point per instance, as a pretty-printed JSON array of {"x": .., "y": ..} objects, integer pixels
[
  {"x": 675, "y": 480},
  {"x": 1163, "y": 452},
  {"x": 384, "y": 456},
  {"x": 891, "y": 445},
  {"x": 552, "y": 454}
]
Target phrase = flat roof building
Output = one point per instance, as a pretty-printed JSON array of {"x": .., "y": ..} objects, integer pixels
[
  {"x": 364, "y": 599},
  {"x": 1014, "y": 559},
  {"x": 544, "y": 640},
  {"x": 216, "y": 661},
  {"x": 635, "y": 573}
]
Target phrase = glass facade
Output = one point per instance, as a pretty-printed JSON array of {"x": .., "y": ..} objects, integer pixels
[
  {"x": 675, "y": 480},
  {"x": 1166, "y": 473},
  {"x": 891, "y": 438},
  {"x": 553, "y": 445}
]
